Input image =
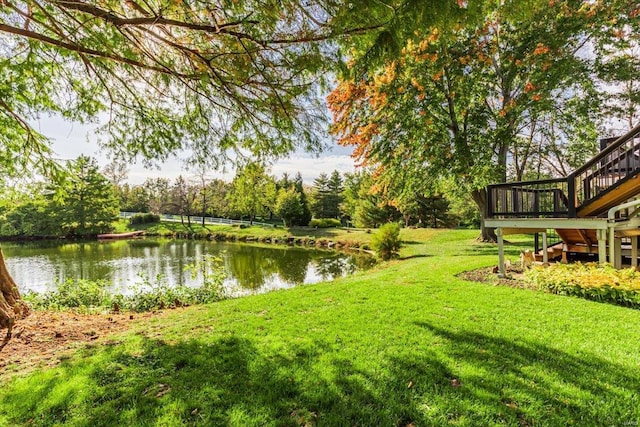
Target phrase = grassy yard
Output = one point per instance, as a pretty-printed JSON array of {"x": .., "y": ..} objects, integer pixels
[{"x": 406, "y": 344}]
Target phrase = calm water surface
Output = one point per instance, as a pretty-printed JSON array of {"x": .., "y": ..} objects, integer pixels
[{"x": 38, "y": 266}]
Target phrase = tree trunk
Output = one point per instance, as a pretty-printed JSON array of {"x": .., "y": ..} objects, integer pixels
[
  {"x": 12, "y": 307},
  {"x": 480, "y": 199}
]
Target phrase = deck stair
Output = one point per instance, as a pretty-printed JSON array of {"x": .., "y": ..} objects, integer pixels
[{"x": 610, "y": 179}]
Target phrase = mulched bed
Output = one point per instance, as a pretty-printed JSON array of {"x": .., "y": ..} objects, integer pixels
[
  {"x": 44, "y": 337},
  {"x": 514, "y": 279}
]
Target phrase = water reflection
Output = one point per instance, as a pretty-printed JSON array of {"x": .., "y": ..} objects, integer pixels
[{"x": 38, "y": 266}]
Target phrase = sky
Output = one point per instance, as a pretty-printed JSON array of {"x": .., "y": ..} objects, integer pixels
[{"x": 70, "y": 140}]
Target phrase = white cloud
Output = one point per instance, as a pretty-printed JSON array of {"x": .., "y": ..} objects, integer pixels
[{"x": 70, "y": 140}]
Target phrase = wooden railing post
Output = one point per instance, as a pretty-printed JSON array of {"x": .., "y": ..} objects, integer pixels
[{"x": 571, "y": 196}]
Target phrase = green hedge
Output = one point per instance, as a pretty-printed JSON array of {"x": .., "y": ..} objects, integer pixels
[
  {"x": 147, "y": 218},
  {"x": 325, "y": 223}
]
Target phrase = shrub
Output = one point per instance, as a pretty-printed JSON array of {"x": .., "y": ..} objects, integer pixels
[
  {"x": 147, "y": 218},
  {"x": 386, "y": 241},
  {"x": 590, "y": 281},
  {"x": 325, "y": 223},
  {"x": 150, "y": 295},
  {"x": 72, "y": 293}
]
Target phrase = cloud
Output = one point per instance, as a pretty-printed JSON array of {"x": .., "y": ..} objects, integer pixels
[{"x": 71, "y": 139}]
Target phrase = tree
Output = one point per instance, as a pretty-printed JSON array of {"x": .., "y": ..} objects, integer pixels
[
  {"x": 183, "y": 198},
  {"x": 305, "y": 216},
  {"x": 617, "y": 57},
  {"x": 253, "y": 191},
  {"x": 288, "y": 206},
  {"x": 363, "y": 204},
  {"x": 134, "y": 198},
  {"x": 159, "y": 193},
  {"x": 456, "y": 98},
  {"x": 318, "y": 195},
  {"x": 116, "y": 172},
  {"x": 217, "y": 191},
  {"x": 87, "y": 200},
  {"x": 327, "y": 195}
]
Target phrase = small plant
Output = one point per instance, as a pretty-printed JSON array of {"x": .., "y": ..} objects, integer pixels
[{"x": 386, "y": 241}]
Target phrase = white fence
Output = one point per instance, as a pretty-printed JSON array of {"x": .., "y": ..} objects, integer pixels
[{"x": 198, "y": 219}]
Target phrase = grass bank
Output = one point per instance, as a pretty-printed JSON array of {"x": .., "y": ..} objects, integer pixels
[
  {"x": 344, "y": 237},
  {"x": 408, "y": 343}
]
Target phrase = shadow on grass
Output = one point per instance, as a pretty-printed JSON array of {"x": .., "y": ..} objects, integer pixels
[
  {"x": 469, "y": 379},
  {"x": 403, "y": 258}
]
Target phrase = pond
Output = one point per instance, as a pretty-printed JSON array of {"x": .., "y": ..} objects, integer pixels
[{"x": 39, "y": 266}]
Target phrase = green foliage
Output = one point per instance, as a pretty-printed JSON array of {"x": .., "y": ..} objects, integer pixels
[
  {"x": 86, "y": 199},
  {"x": 326, "y": 196},
  {"x": 500, "y": 93},
  {"x": 288, "y": 206},
  {"x": 148, "y": 295},
  {"x": 72, "y": 293},
  {"x": 590, "y": 281},
  {"x": 386, "y": 241},
  {"x": 147, "y": 218},
  {"x": 36, "y": 217},
  {"x": 250, "y": 96},
  {"x": 253, "y": 191},
  {"x": 362, "y": 204},
  {"x": 324, "y": 223}
]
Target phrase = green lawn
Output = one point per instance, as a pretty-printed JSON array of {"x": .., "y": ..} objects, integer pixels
[{"x": 405, "y": 344}]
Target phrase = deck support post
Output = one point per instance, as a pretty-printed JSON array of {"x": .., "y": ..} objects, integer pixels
[
  {"x": 612, "y": 245},
  {"x": 501, "y": 267},
  {"x": 602, "y": 246},
  {"x": 545, "y": 254},
  {"x": 618, "y": 253},
  {"x": 634, "y": 252}
]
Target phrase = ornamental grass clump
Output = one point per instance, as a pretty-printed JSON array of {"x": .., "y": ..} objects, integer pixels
[
  {"x": 590, "y": 281},
  {"x": 386, "y": 241}
]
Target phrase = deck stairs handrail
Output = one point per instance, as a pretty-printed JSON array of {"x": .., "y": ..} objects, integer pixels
[{"x": 604, "y": 181}]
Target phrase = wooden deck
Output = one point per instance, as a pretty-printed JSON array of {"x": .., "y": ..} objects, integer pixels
[{"x": 617, "y": 195}]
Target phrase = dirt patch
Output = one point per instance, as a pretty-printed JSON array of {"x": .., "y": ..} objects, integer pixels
[
  {"x": 43, "y": 338},
  {"x": 514, "y": 279}
]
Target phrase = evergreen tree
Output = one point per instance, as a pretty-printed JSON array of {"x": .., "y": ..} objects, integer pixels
[
  {"x": 305, "y": 216},
  {"x": 327, "y": 195},
  {"x": 87, "y": 200},
  {"x": 319, "y": 195},
  {"x": 334, "y": 196}
]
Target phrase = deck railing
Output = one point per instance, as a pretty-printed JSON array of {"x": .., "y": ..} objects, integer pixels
[
  {"x": 546, "y": 197},
  {"x": 562, "y": 197}
]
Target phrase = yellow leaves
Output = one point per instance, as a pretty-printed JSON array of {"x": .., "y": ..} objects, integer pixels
[
  {"x": 416, "y": 84},
  {"x": 601, "y": 283},
  {"x": 387, "y": 76},
  {"x": 434, "y": 36},
  {"x": 589, "y": 9}
]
